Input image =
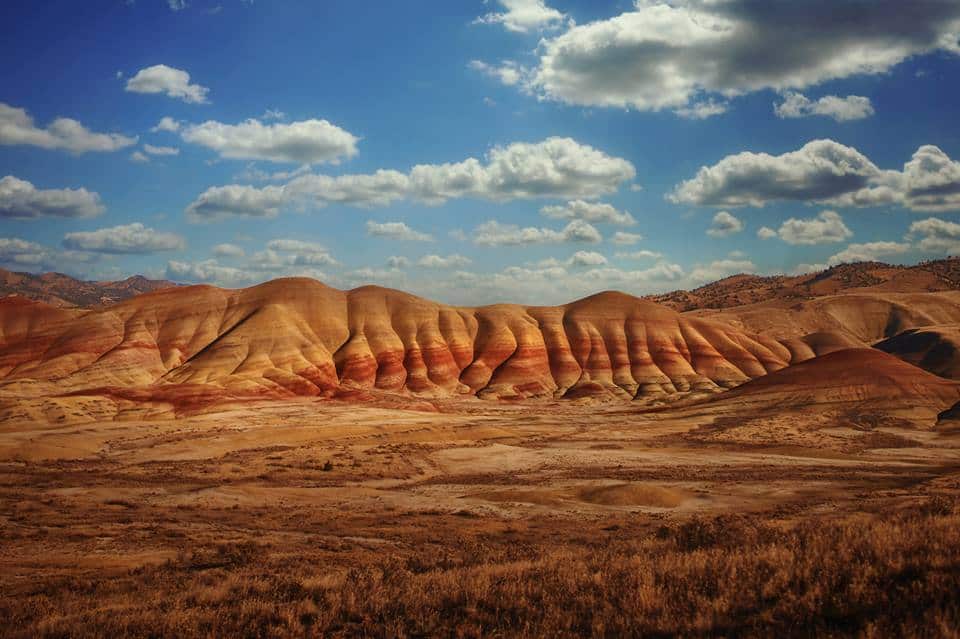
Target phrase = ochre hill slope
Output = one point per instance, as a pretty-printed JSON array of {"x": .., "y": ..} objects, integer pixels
[
  {"x": 299, "y": 337},
  {"x": 932, "y": 348},
  {"x": 862, "y": 387},
  {"x": 873, "y": 277}
]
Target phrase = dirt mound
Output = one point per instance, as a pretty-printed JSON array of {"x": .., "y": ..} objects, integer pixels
[{"x": 932, "y": 348}]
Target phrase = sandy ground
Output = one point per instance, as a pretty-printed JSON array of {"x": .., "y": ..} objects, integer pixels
[{"x": 108, "y": 496}]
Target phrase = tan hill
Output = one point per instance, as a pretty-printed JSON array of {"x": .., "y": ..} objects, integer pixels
[
  {"x": 849, "y": 400},
  {"x": 859, "y": 314},
  {"x": 932, "y": 348},
  {"x": 297, "y": 336},
  {"x": 739, "y": 290},
  {"x": 64, "y": 291}
]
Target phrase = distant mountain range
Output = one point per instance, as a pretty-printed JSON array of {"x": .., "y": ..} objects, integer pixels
[
  {"x": 63, "y": 291},
  {"x": 739, "y": 290}
]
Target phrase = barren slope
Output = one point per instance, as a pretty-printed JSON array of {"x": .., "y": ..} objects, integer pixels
[{"x": 300, "y": 337}]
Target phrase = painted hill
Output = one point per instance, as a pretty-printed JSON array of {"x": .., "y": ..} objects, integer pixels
[
  {"x": 64, "y": 291},
  {"x": 297, "y": 336}
]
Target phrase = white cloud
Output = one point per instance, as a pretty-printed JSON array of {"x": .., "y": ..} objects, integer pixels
[
  {"x": 124, "y": 239},
  {"x": 936, "y": 236},
  {"x": 177, "y": 5},
  {"x": 273, "y": 114},
  {"x": 669, "y": 55},
  {"x": 20, "y": 254},
  {"x": 206, "y": 271},
  {"x": 396, "y": 231},
  {"x": 17, "y": 128},
  {"x": 223, "y": 201},
  {"x": 228, "y": 250},
  {"x": 724, "y": 224},
  {"x": 827, "y": 172},
  {"x": 868, "y": 252},
  {"x": 398, "y": 261},
  {"x": 596, "y": 212},
  {"x": 932, "y": 181},
  {"x": 494, "y": 233},
  {"x": 139, "y": 157},
  {"x": 625, "y": 239},
  {"x": 720, "y": 269},
  {"x": 702, "y": 110},
  {"x": 586, "y": 258},
  {"x": 160, "y": 150},
  {"x": 172, "y": 82},
  {"x": 508, "y": 73},
  {"x": 820, "y": 170},
  {"x": 826, "y": 227},
  {"x": 797, "y": 105},
  {"x": 522, "y": 16},
  {"x": 377, "y": 189},
  {"x": 766, "y": 233},
  {"x": 168, "y": 124},
  {"x": 305, "y": 142},
  {"x": 454, "y": 260},
  {"x": 639, "y": 255},
  {"x": 553, "y": 168},
  {"x": 20, "y": 199},
  {"x": 295, "y": 246}
]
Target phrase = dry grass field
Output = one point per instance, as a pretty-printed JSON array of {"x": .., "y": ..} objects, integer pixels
[{"x": 313, "y": 518}]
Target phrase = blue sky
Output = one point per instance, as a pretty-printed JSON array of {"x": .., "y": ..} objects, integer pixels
[{"x": 561, "y": 147}]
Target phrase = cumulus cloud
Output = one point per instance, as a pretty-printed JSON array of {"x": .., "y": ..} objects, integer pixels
[
  {"x": 494, "y": 233},
  {"x": 826, "y": 227},
  {"x": 305, "y": 142},
  {"x": 596, "y": 212},
  {"x": 556, "y": 167},
  {"x": 522, "y": 16},
  {"x": 625, "y": 239},
  {"x": 454, "y": 260},
  {"x": 172, "y": 82},
  {"x": 398, "y": 261},
  {"x": 702, "y": 110},
  {"x": 160, "y": 150},
  {"x": 23, "y": 255},
  {"x": 133, "y": 238},
  {"x": 508, "y": 73},
  {"x": 936, "y": 236},
  {"x": 18, "y": 128},
  {"x": 932, "y": 181},
  {"x": 868, "y": 252},
  {"x": 168, "y": 124},
  {"x": 206, "y": 271},
  {"x": 766, "y": 233},
  {"x": 797, "y": 105},
  {"x": 720, "y": 269},
  {"x": 228, "y": 250},
  {"x": 553, "y": 168},
  {"x": 236, "y": 200},
  {"x": 396, "y": 231},
  {"x": 724, "y": 224},
  {"x": 364, "y": 190},
  {"x": 586, "y": 258},
  {"x": 21, "y": 199},
  {"x": 639, "y": 255},
  {"x": 139, "y": 157},
  {"x": 668, "y": 55},
  {"x": 820, "y": 170}
]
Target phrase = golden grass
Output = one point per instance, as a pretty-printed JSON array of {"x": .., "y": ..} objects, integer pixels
[{"x": 893, "y": 574}]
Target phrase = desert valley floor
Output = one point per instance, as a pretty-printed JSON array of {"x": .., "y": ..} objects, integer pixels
[{"x": 792, "y": 465}]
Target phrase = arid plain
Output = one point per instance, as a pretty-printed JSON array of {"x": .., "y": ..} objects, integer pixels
[{"x": 761, "y": 455}]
